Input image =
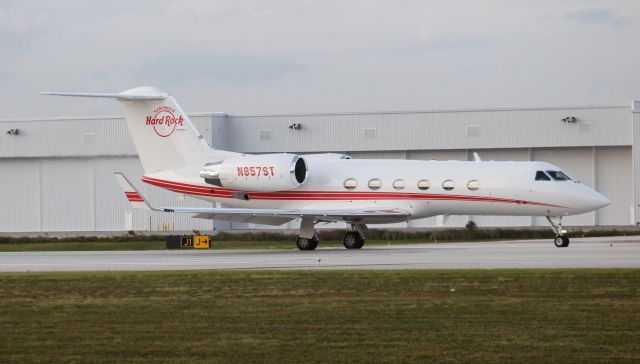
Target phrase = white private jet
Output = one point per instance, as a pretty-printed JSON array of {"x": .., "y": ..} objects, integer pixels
[{"x": 276, "y": 188}]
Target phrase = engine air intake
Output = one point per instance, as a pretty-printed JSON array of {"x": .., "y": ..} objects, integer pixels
[{"x": 300, "y": 170}]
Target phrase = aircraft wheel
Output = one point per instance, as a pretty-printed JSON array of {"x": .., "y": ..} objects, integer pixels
[
  {"x": 352, "y": 240},
  {"x": 306, "y": 244},
  {"x": 561, "y": 241}
]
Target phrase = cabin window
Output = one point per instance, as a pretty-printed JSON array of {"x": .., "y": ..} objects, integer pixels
[
  {"x": 448, "y": 185},
  {"x": 541, "y": 176},
  {"x": 424, "y": 184},
  {"x": 399, "y": 184},
  {"x": 350, "y": 183},
  {"x": 473, "y": 185},
  {"x": 375, "y": 184},
  {"x": 559, "y": 176}
]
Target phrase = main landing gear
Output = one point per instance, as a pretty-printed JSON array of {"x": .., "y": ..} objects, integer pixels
[
  {"x": 307, "y": 244},
  {"x": 308, "y": 239},
  {"x": 352, "y": 240},
  {"x": 560, "y": 241},
  {"x": 355, "y": 239}
]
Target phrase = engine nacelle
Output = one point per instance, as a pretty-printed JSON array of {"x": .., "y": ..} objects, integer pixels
[{"x": 260, "y": 173}]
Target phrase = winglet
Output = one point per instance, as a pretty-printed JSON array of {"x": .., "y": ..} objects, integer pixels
[
  {"x": 476, "y": 157},
  {"x": 134, "y": 196}
]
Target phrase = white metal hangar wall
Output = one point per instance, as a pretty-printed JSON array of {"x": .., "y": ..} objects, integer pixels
[{"x": 56, "y": 175}]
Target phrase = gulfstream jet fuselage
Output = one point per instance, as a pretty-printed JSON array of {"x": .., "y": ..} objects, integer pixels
[{"x": 277, "y": 188}]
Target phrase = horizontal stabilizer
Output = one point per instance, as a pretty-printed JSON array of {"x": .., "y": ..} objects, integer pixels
[
  {"x": 123, "y": 96},
  {"x": 131, "y": 193}
]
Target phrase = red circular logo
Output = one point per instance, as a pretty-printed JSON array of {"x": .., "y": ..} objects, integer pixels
[
  {"x": 165, "y": 127},
  {"x": 164, "y": 120}
]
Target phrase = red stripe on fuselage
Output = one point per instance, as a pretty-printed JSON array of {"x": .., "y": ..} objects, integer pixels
[{"x": 326, "y": 195}]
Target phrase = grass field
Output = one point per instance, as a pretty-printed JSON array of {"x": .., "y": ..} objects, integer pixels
[
  {"x": 321, "y": 316},
  {"x": 82, "y": 246}
]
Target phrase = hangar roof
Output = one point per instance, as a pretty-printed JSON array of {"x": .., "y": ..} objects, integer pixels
[{"x": 356, "y": 131}]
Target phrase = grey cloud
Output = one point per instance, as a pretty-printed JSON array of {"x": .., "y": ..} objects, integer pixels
[
  {"x": 605, "y": 17},
  {"x": 300, "y": 56},
  {"x": 436, "y": 47},
  {"x": 444, "y": 45},
  {"x": 219, "y": 68},
  {"x": 18, "y": 32}
]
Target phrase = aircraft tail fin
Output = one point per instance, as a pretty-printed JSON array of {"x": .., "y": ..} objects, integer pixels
[{"x": 163, "y": 135}]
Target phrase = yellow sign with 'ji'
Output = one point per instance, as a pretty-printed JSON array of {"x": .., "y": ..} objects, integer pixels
[{"x": 201, "y": 242}]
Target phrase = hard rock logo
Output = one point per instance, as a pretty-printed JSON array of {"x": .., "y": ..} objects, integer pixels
[{"x": 164, "y": 120}]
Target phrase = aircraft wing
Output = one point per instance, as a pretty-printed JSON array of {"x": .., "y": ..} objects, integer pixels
[
  {"x": 279, "y": 217},
  {"x": 269, "y": 216}
]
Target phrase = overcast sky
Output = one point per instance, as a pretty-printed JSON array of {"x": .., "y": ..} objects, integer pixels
[{"x": 249, "y": 56}]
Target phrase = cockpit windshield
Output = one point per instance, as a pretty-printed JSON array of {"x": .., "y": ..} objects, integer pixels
[
  {"x": 549, "y": 175},
  {"x": 541, "y": 176},
  {"x": 559, "y": 176}
]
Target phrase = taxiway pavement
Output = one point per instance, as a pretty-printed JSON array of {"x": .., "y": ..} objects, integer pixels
[{"x": 612, "y": 252}]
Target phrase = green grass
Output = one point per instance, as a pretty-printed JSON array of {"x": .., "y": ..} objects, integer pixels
[
  {"x": 82, "y": 246},
  {"x": 321, "y": 316}
]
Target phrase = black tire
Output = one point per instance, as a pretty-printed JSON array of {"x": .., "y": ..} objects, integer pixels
[
  {"x": 561, "y": 241},
  {"x": 306, "y": 244},
  {"x": 352, "y": 240}
]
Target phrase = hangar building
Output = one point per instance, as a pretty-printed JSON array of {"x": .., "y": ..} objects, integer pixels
[{"x": 56, "y": 175}]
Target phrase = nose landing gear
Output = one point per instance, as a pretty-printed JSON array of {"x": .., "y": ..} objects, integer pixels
[{"x": 560, "y": 241}]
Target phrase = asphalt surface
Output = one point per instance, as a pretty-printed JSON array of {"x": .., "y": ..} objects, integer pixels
[{"x": 615, "y": 252}]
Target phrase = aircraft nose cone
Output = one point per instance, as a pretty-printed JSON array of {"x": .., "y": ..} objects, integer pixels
[{"x": 599, "y": 201}]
